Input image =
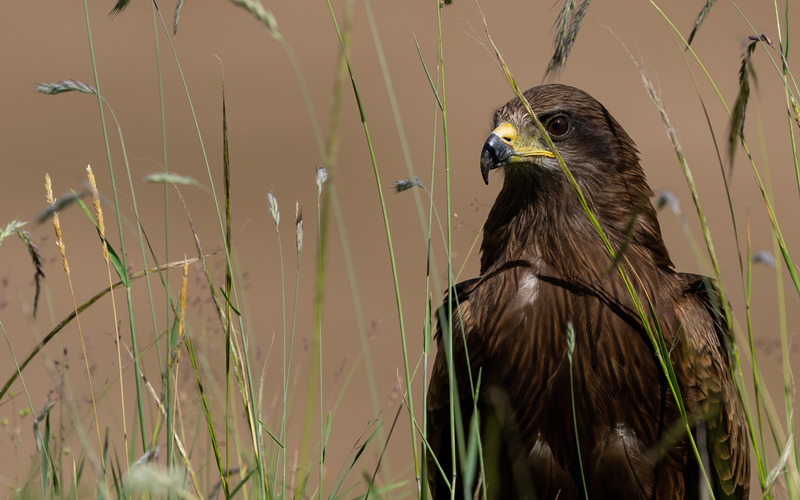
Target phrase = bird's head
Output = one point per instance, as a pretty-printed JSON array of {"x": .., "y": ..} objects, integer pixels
[
  {"x": 537, "y": 207},
  {"x": 593, "y": 145}
]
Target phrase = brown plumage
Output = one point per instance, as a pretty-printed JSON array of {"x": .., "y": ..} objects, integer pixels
[{"x": 544, "y": 267}]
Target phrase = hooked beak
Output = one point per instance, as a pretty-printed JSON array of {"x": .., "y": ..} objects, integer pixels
[{"x": 503, "y": 147}]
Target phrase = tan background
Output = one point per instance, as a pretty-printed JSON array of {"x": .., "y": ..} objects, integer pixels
[{"x": 273, "y": 148}]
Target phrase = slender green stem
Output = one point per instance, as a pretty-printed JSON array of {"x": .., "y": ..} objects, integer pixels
[
  {"x": 134, "y": 343},
  {"x": 401, "y": 133},
  {"x": 571, "y": 347},
  {"x": 166, "y": 367},
  {"x": 322, "y": 435},
  {"x": 282, "y": 449},
  {"x": 454, "y": 408},
  {"x": 289, "y": 362}
]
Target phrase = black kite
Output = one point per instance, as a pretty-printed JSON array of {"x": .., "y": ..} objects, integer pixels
[{"x": 543, "y": 268}]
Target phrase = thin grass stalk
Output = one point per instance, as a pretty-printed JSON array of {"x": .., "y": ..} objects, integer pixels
[
  {"x": 323, "y": 441},
  {"x": 207, "y": 413},
  {"x": 783, "y": 41},
  {"x": 322, "y": 255},
  {"x": 398, "y": 301},
  {"x": 719, "y": 159},
  {"x": 739, "y": 376},
  {"x": 773, "y": 222},
  {"x": 287, "y": 368},
  {"x": 784, "y": 52},
  {"x": 570, "y": 349},
  {"x": 226, "y": 165},
  {"x": 328, "y": 152},
  {"x": 246, "y": 362},
  {"x": 162, "y": 107},
  {"x": 272, "y": 202},
  {"x": 139, "y": 228},
  {"x": 793, "y": 482},
  {"x": 134, "y": 342},
  {"x": 753, "y": 359},
  {"x": 447, "y": 331},
  {"x": 289, "y": 361},
  {"x": 781, "y": 299},
  {"x": 252, "y": 419},
  {"x": 98, "y": 209},
  {"x": 401, "y": 133},
  {"x": 239, "y": 376},
  {"x": 457, "y": 434},
  {"x": 427, "y": 334}
]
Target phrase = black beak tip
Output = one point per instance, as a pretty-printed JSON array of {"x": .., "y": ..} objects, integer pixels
[
  {"x": 486, "y": 164},
  {"x": 495, "y": 153}
]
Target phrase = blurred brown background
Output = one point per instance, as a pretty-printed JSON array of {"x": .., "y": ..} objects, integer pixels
[{"x": 272, "y": 147}]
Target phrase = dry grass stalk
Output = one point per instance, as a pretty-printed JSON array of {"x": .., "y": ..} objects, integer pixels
[
  {"x": 63, "y": 250},
  {"x": 101, "y": 227}
]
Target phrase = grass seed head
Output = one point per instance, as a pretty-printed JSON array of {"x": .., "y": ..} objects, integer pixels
[
  {"x": 406, "y": 184},
  {"x": 65, "y": 86},
  {"x": 298, "y": 224},
  {"x": 98, "y": 210},
  {"x": 259, "y": 12},
  {"x": 272, "y": 203},
  {"x": 322, "y": 176},
  {"x": 48, "y": 186}
]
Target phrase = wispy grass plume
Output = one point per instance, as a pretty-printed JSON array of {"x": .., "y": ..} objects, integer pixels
[
  {"x": 746, "y": 71},
  {"x": 567, "y": 26},
  {"x": 259, "y": 12}
]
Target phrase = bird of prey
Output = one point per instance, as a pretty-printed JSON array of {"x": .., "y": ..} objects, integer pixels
[{"x": 544, "y": 271}]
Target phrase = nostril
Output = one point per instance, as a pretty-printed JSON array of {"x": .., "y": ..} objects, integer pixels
[{"x": 506, "y": 133}]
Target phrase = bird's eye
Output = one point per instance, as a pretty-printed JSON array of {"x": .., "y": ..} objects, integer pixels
[{"x": 558, "y": 126}]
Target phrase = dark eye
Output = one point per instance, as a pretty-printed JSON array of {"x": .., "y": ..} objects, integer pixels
[{"x": 558, "y": 126}]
